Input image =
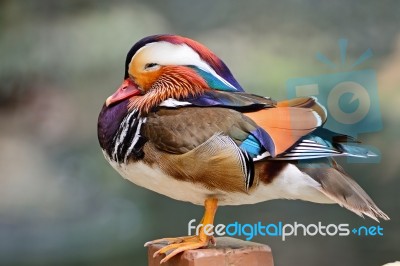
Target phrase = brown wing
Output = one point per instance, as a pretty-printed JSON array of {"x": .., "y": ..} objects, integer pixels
[
  {"x": 201, "y": 145},
  {"x": 181, "y": 130}
]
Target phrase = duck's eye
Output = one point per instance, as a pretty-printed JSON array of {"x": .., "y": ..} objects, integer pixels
[{"x": 150, "y": 65}]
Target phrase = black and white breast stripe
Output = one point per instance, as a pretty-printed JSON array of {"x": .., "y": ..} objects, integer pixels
[{"x": 128, "y": 141}]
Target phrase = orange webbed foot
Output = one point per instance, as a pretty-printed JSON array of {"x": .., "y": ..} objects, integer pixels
[
  {"x": 180, "y": 244},
  {"x": 176, "y": 245}
]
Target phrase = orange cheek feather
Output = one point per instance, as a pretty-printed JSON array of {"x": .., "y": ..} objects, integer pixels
[
  {"x": 146, "y": 79},
  {"x": 177, "y": 82}
]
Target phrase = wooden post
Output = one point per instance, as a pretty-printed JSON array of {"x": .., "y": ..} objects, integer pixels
[{"x": 228, "y": 251}]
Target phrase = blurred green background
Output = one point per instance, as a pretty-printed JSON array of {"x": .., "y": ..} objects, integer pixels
[{"x": 60, "y": 201}]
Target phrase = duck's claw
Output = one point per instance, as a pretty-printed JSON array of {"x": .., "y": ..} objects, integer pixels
[{"x": 169, "y": 240}]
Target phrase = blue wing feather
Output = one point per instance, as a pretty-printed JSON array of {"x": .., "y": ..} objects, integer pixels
[
  {"x": 252, "y": 146},
  {"x": 214, "y": 82}
]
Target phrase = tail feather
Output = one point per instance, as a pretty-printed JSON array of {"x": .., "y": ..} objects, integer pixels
[
  {"x": 342, "y": 189},
  {"x": 355, "y": 150},
  {"x": 335, "y": 183}
]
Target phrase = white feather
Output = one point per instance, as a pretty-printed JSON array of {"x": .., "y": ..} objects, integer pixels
[
  {"x": 318, "y": 117},
  {"x": 170, "y": 102},
  {"x": 166, "y": 53},
  {"x": 261, "y": 156}
]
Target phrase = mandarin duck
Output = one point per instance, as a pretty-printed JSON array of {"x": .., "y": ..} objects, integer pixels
[{"x": 181, "y": 125}]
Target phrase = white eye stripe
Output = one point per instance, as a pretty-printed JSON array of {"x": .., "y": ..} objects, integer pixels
[{"x": 165, "y": 53}]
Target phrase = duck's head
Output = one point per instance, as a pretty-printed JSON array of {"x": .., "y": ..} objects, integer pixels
[{"x": 159, "y": 67}]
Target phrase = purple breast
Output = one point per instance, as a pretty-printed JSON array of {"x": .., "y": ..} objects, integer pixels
[{"x": 109, "y": 121}]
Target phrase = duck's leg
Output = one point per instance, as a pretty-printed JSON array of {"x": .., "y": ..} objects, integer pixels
[{"x": 180, "y": 244}]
